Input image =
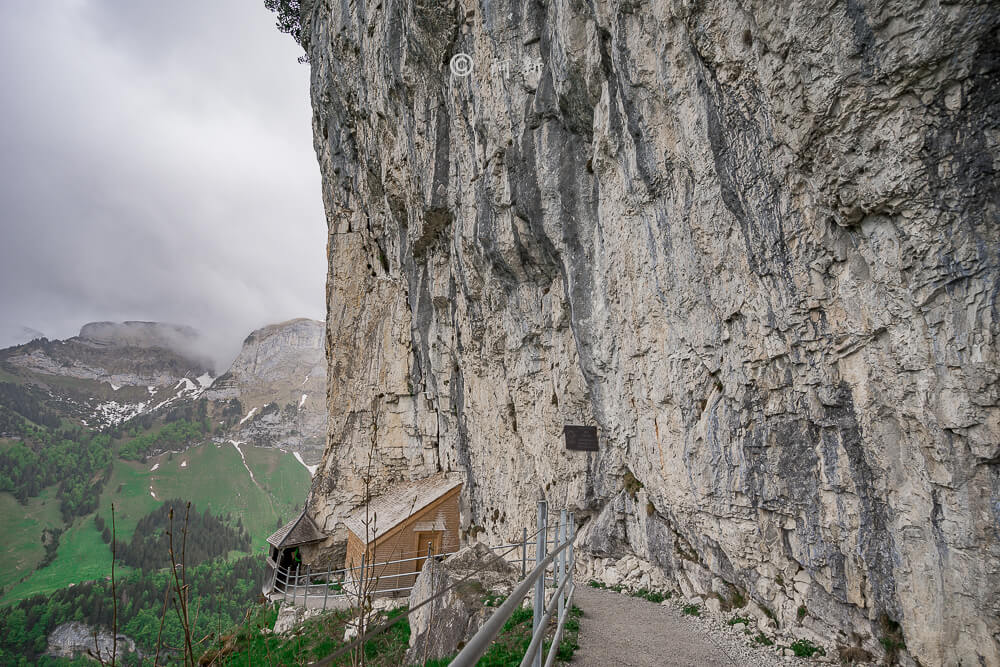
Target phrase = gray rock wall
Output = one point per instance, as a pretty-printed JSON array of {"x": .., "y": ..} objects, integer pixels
[
  {"x": 282, "y": 366},
  {"x": 755, "y": 243}
]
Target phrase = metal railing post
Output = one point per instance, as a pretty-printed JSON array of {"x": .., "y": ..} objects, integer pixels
[
  {"x": 326, "y": 587},
  {"x": 536, "y": 621},
  {"x": 524, "y": 552},
  {"x": 562, "y": 561},
  {"x": 569, "y": 549}
]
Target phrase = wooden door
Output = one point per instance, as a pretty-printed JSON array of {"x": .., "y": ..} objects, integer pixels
[{"x": 432, "y": 538}]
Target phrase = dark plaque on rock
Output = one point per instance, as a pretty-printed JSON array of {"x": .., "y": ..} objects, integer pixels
[{"x": 581, "y": 438}]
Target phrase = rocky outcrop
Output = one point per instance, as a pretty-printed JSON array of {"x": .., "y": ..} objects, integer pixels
[
  {"x": 755, "y": 244},
  {"x": 75, "y": 639},
  {"x": 273, "y": 394},
  {"x": 279, "y": 378},
  {"x": 441, "y": 627},
  {"x": 129, "y": 354},
  {"x": 112, "y": 372},
  {"x": 291, "y": 616}
]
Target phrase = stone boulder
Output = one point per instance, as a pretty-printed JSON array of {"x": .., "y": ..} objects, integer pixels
[
  {"x": 75, "y": 639},
  {"x": 291, "y": 616},
  {"x": 439, "y": 628}
]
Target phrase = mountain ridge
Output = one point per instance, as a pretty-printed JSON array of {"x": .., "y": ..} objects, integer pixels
[{"x": 113, "y": 372}]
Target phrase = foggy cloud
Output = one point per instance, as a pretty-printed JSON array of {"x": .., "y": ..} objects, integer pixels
[{"x": 157, "y": 164}]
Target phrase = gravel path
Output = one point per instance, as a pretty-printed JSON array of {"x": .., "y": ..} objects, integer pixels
[{"x": 622, "y": 630}]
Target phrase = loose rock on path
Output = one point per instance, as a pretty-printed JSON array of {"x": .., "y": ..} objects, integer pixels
[{"x": 620, "y": 630}]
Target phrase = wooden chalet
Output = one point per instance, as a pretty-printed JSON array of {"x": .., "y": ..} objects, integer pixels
[
  {"x": 285, "y": 543},
  {"x": 402, "y": 524}
]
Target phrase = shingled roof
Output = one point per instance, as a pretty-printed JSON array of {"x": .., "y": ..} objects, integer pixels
[
  {"x": 399, "y": 503},
  {"x": 300, "y": 530}
]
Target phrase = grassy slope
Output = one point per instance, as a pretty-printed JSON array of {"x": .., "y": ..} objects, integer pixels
[
  {"x": 321, "y": 636},
  {"x": 82, "y": 556},
  {"x": 21, "y": 526},
  {"x": 214, "y": 477}
]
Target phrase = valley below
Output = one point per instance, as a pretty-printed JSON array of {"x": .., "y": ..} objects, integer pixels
[{"x": 127, "y": 416}]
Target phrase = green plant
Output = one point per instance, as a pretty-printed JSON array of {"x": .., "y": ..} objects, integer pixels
[
  {"x": 738, "y": 619},
  {"x": 567, "y": 647},
  {"x": 891, "y": 645},
  {"x": 892, "y": 636},
  {"x": 692, "y": 610},
  {"x": 594, "y": 583},
  {"x": 762, "y": 639},
  {"x": 652, "y": 596},
  {"x": 440, "y": 662},
  {"x": 803, "y": 648},
  {"x": 630, "y": 484},
  {"x": 571, "y": 632},
  {"x": 520, "y": 615},
  {"x": 801, "y": 612}
]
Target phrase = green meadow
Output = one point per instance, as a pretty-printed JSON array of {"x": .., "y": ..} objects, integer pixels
[{"x": 211, "y": 476}]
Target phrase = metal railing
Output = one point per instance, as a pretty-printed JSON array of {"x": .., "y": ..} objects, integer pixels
[
  {"x": 304, "y": 586},
  {"x": 562, "y": 560}
]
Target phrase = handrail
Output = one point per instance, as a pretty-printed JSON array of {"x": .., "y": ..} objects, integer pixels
[
  {"x": 536, "y": 640},
  {"x": 477, "y": 646},
  {"x": 285, "y": 580},
  {"x": 563, "y": 572}
]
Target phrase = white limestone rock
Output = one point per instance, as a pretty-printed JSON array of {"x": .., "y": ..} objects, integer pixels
[{"x": 754, "y": 245}]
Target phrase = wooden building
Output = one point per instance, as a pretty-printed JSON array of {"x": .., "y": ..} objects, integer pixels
[
  {"x": 284, "y": 551},
  {"x": 401, "y": 525}
]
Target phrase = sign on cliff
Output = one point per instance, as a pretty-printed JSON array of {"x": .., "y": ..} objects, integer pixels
[{"x": 581, "y": 438}]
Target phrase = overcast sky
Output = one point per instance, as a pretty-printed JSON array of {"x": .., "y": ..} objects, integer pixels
[{"x": 157, "y": 164}]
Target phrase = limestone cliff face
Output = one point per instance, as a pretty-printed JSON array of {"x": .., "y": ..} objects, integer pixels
[
  {"x": 279, "y": 378},
  {"x": 755, "y": 243}
]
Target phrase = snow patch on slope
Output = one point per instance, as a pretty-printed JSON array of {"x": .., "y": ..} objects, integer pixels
[
  {"x": 236, "y": 444},
  {"x": 113, "y": 413},
  {"x": 312, "y": 469}
]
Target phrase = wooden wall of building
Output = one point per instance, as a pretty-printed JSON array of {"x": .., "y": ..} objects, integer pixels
[{"x": 439, "y": 521}]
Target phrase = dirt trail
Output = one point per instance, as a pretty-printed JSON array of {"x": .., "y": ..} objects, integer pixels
[{"x": 618, "y": 630}]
